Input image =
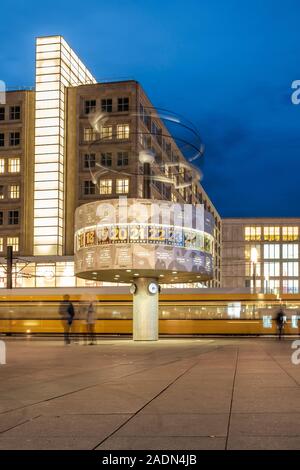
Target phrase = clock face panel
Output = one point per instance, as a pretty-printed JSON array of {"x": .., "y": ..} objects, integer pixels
[
  {"x": 133, "y": 289},
  {"x": 153, "y": 288}
]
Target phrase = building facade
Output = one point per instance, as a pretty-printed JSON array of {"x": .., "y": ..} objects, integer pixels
[
  {"x": 50, "y": 152},
  {"x": 262, "y": 254}
]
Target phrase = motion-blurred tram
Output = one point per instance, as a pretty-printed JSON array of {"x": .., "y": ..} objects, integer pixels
[{"x": 181, "y": 312}]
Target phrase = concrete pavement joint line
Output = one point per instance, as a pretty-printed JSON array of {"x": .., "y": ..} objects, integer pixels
[
  {"x": 232, "y": 394},
  {"x": 280, "y": 366},
  {"x": 100, "y": 383},
  {"x": 20, "y": 424},
  {"x": 150, "y": 401}
]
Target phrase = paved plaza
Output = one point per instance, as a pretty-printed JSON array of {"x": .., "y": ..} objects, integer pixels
[{"x": 175, "y": 394}]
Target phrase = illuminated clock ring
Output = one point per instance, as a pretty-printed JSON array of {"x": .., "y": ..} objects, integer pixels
[{"x": 192, "y": 174}]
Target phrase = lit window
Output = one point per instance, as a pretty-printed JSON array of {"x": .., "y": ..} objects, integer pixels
[
  {"x": 1, "y": 192},
  {"x": 14, "y": 139},
  {"x": 14, "y": 242},
  {"x": 253, "y": 269},
  {"x": 89, "y": 134},
  {"x": 249, "y": 248},
  {"x": 90, "y": 106},
  {"x": 89, "y": 188},
  {"x": 271, "y": 269},
  {"x": 1, "y": 244},
  {"x": 290, "y": 269},
  {"x": 290, "y": 251},
  {"x": 272, "y": 233},
  {"x": 2, "y": 114},
  {"x": 14, "y": 191},
  {"x": 290, "y": 233},
  {"x": 123, "y": 104},
  {"x": 122, "y": 158},
  {"x": 2, "y": 140},
  {"x": 2, "y": 165},
  {"x": 106, "y": 159},
  {"x": 123, "y": 131},
  {"x": 105, "y": 186},
  {"x": 122, "y": 186},
  {"x": 272, "y": 251},
  {"x": 106, "y": 132},
  {"x": 290, "y": 286},
  {"x": 13, "y": 217},
  {"x": 106, "y": 105},
  {"x": 13, "y": 165},
  {"x": 273, "y": 286},
  {"x": 14, "y": 112},
  {"x": 252, "y": 233}
]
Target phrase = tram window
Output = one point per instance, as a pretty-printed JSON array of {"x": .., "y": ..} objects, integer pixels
[
  {"x": 294, "y": 322},
  {"x": 267, "y": 321}
]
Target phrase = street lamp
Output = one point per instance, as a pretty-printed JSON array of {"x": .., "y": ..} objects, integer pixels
[{"x": 254, "y": 257}]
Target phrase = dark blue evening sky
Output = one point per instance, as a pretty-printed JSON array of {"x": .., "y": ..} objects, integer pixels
[{"x": 227, "y": 65}]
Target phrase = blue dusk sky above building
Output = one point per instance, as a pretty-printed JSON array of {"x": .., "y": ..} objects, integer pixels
[{"x": 226, "y": 65}]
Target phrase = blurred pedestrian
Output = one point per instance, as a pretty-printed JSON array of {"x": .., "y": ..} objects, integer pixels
[
  {"x": 90, "y": 323},
  {"x": 280, "y": 321},
  {"x": 67, "y": 313}
]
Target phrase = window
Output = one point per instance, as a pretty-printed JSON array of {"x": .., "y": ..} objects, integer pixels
[
  {"x": 290, "y": 233},
  {"x": 13, "y": 165},
  {"x": 252, "y": 233},
  {"x": 89, "y": 188},
  {"x": 89, "y": 160},
  {"x": 274, "y": 285},
  {"x": 1, "y": 192},
  {"x": 14, "y": 112},
  {"x": 272, "y": 251},
  {"x": 290, "y": 268},
  {"x": 13, "y": 217},
  {"x": 105, "y": 186},
  {"x": 14, "y": 242},
  {"x": 106, "y": 132},
  {"x": 253, "y": 269},
  {"x": 14, "y": 139},
  {"x": 290, "y": 251},
  {"x": 123, "y": 104},
  {"x": 271, "y": 269},
  {"x": 2, "y": 140},
  {"x": 290, "y": 286},
  {"x": 1, "y": 218},
  {"x": 90, "y": 106},
  {"x": 156, "y": 132},
  {"x": 123, "y": 131},
  {"x": 2, "y": 165},
  {"x": 272, "y": 233},
  {"x": 89, "y": 134},
  {"x": 2, "y": 114},
  {"x": 106, "y": 159},
  {"x": 14, "y": 191},
  {"x": 249, "y": 248},
  {"x": 1, "y": 244},
  {"x": 106, "y": 105},
  {"x": 122, "y": 186},
  {"x": 122, "y": 158}
]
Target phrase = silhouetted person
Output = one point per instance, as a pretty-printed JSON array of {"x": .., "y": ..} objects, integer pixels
[
  {"x": 67, "y": 313},
  {"x": 280, "y": 323},
  {"x": 90, "y": 323}
]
